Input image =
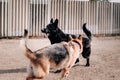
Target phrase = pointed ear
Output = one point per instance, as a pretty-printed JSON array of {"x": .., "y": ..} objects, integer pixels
[
  {"x": 80, "y": 37},
  {"x": 51, "y": 21},
  {"x": 70, "y": 38},
  {"x": 70, "y": 44},
  {"x": 56, "y": 22}
]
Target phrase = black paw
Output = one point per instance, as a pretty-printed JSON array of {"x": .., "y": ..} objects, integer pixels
[
  {"x": 58, "y": 71},
  {"x": 77, "y": 60},
  {"x": 87, "y": 65}
]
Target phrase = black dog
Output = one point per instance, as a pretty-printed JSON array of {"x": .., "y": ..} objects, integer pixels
[{"x": 56, "y": 35}]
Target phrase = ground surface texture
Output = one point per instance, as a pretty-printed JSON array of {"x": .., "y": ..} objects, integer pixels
[{"x": 105, "y": 60}]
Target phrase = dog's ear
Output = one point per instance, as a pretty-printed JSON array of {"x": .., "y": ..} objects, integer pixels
[
  {"x": 56, "y": 22},
  {"x": 70, "y": 38},
  {"x": 80, "y": 37},
  {"x": 51, "y": 21},
  {"x": 71, "y": 44}
]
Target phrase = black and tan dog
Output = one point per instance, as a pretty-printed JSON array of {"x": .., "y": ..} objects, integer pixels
[
  {"x": 57, "y": 56},
  {"x": 56, "y": 35}
]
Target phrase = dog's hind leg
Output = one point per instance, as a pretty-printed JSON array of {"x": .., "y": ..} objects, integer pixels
[
  {"x": 86, "y": 54},
  {"x": 87, "y": 62},
  {"x": 45, "y": 66}
]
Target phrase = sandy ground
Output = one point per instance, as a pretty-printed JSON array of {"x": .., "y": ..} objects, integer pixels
[{"x": 105, "y": 60}]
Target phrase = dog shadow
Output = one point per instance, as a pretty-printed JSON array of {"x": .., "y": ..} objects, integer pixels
[
  {"x": 17, "y": 70},
  {"x": 76, "y": 65},
  {"x": 23, "y": 70}
]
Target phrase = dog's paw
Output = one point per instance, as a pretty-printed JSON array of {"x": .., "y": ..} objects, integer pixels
[
  {"x": 87, "y": 65},
  {"x": 77, "y": 60},
  {"x": 66, "y": 74}
]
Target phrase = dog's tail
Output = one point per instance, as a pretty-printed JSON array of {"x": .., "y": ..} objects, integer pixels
[
  {"x": 28, "y": 53},
  {"x": 87, "y": 32}
]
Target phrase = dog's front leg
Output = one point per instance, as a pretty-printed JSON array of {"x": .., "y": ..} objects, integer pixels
[{"x": 64, "y": 73}]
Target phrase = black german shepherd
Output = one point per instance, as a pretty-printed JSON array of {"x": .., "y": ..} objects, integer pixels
[{"x": 56, "y": 35}]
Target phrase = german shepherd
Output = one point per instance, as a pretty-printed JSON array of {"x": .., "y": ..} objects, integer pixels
[
  {"x": 56, "y": 35},
  {"x": 57, "y": 56}
]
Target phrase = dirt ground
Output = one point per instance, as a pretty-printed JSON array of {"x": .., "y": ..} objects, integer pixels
[{"x": 105, "y": 60}]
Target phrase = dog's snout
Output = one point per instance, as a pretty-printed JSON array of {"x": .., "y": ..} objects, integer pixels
[{"x": 43, "y": 30}]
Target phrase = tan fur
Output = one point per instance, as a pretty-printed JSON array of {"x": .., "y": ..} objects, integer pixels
[
  {"x": 72, "y": 56},
  {"x": 30, "y": 56}
]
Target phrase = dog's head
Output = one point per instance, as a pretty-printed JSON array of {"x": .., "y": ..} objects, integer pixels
[
  {"x": 77, "y": 40},
  {"x": 51, "y": 28}
]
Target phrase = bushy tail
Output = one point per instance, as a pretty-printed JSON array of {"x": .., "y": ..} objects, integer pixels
[
  {"x": 87, "y": 32},
  {"x": 29, "y": 54}
]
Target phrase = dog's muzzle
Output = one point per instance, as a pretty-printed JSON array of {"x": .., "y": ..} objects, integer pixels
[
  {"x": 43, "y": 30},
  {"x": 46, "y": 32}
]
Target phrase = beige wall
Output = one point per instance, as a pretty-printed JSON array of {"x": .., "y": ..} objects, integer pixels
[{"x": 17, "y": 15}]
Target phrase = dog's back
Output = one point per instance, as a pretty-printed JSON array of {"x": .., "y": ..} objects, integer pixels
[{"x": 56, "y": 53}]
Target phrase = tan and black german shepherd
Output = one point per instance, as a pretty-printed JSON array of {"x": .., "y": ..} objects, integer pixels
[{"x": 57, "y": 56}]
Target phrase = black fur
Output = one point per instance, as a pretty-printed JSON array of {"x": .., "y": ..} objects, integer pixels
[
  {"x": 56, "y": 35},
  {"x": 55, "y": 52},
  {"x": 59, "y": 57},
  {"x": 25, "y": 32}
]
